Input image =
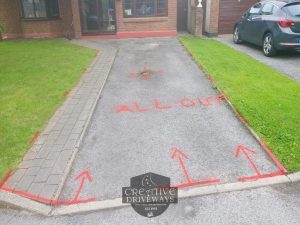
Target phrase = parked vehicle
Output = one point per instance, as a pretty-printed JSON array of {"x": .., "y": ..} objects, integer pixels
[{"x": 272, "y": 24}]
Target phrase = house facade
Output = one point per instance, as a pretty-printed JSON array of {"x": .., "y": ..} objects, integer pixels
[{"x": 117, "y": 18}]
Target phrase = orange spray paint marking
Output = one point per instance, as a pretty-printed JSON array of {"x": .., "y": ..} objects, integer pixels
[
  {"x": 7, "y": 176},
  {"x": 158, "y": 106},
  {"x": 85, "y": 175},
  {"x": 145, "y": 73},
  {"x": 246, "y": 151},
  {"x": 176, "y": 153},
  {"x": 66, "y": 93},
  {"x": 35, "y": 136},
  {"x": 211, "y": 79},
  {"x": 242, "y": 117}
]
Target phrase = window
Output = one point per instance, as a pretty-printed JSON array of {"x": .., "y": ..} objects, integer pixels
[
  {"x": 145, "y": 8},
  {"x": 267, "y": 9},
  {"x": 255, "y": 9},
  {"x": 162, "y": 7},
  {"x": 293, "y": 10},
  {"x": 36, "y": 9}
]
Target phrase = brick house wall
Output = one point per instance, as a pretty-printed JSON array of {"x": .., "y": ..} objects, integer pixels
[
  {"x": 68, "y": 24},
  {"x": 16, "y": 27},
  {"x": 10, "y": 18},
  {"x": 60, "y": 27},
  {"x": 195, "y": 19},
  {"x": 76, "y": 18},
  {"x": 157, "y": 24},
  {"x": 211, "y": 17},
  {"x": 214, "y": 19}
]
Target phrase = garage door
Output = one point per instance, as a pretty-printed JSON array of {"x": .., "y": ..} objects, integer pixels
[{"x": 230, "y": 12}]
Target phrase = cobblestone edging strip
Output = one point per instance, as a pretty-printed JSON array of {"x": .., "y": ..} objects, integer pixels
[{"x": 46, "y": 165}]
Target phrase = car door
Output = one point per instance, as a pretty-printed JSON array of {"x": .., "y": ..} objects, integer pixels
[
  {"x": 241, "y": 24},
  {"x": 265, "y": 23},
  {"x": 254, "y": 28},
  {"x": 248, "y": 23}
]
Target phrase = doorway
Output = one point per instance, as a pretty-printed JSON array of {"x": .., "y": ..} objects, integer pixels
[
  {"x": 182, "y": 14},
  {"x": 97, "y": 16}
]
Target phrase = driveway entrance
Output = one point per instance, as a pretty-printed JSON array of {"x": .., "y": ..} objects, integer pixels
[{"x": 159, "y": 113}]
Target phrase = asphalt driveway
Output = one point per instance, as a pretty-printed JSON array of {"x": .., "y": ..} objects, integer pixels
[
  {"x": 288, "y": 63},
  {"x": 140, "y": 119}
]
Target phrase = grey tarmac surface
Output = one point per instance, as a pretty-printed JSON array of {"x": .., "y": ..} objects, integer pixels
[
  {"x": 121, "y": 145},
  {"x": 288, "y": 63},
  {"x": 273, "y": 205}
]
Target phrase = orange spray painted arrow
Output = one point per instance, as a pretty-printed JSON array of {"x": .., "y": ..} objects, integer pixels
[
  {"x": 258, "y": 175},
  {"x": 177, "y": 153},
  {"x": 246, "y": 152},
  {"x": 83, "y": 176}
]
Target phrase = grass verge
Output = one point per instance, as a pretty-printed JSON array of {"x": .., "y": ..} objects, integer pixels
[
  {"x": 266, "y": 98},
  {"x": 34, "y": 75}
]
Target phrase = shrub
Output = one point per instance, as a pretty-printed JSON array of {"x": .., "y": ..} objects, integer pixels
[{"x": 1, "y": 28}]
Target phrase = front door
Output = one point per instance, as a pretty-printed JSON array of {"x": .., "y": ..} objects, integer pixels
[
  {"x": 182, "y": 14},
  {"x": 97, "y": 16}
]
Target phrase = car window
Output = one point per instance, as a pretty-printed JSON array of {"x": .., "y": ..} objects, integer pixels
[
  {"x": 293, "y": 10},
  {"x": 254, "y": 10},
  {"x": 267, "y": 9}
]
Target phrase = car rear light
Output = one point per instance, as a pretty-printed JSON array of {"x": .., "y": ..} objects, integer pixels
[{"x": 286, "y": 23}]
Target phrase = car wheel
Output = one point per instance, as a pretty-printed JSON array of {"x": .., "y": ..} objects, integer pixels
[
  {"x": 268, "y": 45},
  {"x": 236, "y": 36}
]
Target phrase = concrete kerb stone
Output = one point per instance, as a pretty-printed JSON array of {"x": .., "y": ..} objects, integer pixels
[
  {"x": 294, "y": 177},
  {"x": 254, "y": 184},
  {"x": 25, "y": 203},
  {"x": 182, "y": 194},
  {"x": 89, "y": 207},
  {"x": 46, "y": 210}
]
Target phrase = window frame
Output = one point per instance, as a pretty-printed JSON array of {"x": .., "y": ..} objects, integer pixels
[
  {"x": 156, "y": 14},
  {"x": 47, "y": 17}
]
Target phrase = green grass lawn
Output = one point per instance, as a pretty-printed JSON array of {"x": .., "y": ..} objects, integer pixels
[
  {"x": 34, "y": 75},
  {"x": 268, "y": 100}
]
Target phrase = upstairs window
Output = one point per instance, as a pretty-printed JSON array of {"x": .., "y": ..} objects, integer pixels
[
  {"x": 39, "y": 9},
  {"x": 145, "y": 8}
]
